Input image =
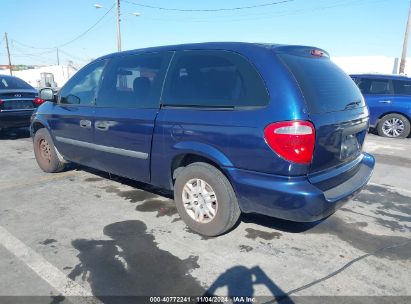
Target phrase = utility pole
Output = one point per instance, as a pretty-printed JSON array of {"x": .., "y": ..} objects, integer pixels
[
  {"x": 118, "y": 26},
  {"x": 405, "y": 45},
  {"x": 8, "y": 54},
  {"x": 58, "y": 58}
]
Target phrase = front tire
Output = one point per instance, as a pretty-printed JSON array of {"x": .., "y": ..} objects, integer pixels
[
  {"x": 205, "y": 199},
  {"x": 394, "y": 125},
  {"x": 45, "y": 152}
]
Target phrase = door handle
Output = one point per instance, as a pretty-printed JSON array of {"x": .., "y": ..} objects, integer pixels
[
  {"x": 102, "y": 125},
  {"x": 85, "y": 123},
  {"x": 384, "y": 101}
]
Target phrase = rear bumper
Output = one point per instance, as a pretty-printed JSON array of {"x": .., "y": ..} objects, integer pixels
[
  {"x": 15, "y": 119},
  {"x": 295, "y": 198}
]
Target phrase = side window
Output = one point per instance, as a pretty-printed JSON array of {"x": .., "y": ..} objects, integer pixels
[
  {"x": 133, "y": 81},
  {"x": 214, "y": 79},
  {"x": 380, "y": 86},
  {"x": 363, "y": 84},
  {"x": 402, "y": 87},
  {"x": 81, "y": 89}
]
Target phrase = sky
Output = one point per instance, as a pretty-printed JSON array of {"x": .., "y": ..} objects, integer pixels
[{"x": 342, "y": 27}]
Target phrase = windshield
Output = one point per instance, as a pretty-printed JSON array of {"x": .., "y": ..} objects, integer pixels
[
  {"x": 13, "y": 83},
  {"x": 326, "y": 88}
]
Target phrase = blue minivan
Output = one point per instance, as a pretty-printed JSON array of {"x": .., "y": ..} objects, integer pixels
[
  {"x": 229, "y": 127},
  {"x": 389, "y": 100}
]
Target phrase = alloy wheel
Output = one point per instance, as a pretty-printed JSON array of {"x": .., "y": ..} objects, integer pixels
[{"x": 393, "y": 127}]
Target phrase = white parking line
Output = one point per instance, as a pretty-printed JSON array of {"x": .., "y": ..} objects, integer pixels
[{"x": 48, "y": 272}]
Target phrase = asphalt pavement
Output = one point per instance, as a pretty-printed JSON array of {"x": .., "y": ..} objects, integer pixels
[{"x": 82, "y": 233}]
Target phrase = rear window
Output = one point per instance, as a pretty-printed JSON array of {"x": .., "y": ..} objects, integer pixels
[
  {"x": 12, "y": 83},
  {"x": 326, "y": 88}
]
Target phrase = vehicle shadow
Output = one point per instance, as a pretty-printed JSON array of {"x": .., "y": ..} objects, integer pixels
[
  {"x": 128, "y": 182},
  {"x": 277, "y": 224},
  {"x": 12, "y": 134},
  {"x": 262, "y": 220}
]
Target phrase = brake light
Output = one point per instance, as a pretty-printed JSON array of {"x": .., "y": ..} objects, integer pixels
[
  {"x": 1, "y": 102},
  {"x": 38, "y": 101},
  {"x": 292, "y": 140},
  {"x": 317, "y": 53}
]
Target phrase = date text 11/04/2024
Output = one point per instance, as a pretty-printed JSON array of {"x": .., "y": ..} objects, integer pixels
[{"x": 202, "y": 299}]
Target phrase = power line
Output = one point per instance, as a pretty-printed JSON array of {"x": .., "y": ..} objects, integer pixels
[
  {"x": 88, "y": 30},
  {"x": 31, "y": 54},
  {"x": 29, "y": 46},
  {"x": 208, "y": 10},
  {"x": 264, "y": 15},
  {"x": 73, "y": 56},
  {"x": 70, "y": 41}
]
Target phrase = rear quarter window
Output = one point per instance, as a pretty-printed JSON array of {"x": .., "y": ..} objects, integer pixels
[
  {"x": 213, "y": 78},
  {"x": 402, "y": 87},
  {"x": 325, "y": 87}
]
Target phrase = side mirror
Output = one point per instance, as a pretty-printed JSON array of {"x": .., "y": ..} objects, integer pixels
[{"x": 47, "y": 94}]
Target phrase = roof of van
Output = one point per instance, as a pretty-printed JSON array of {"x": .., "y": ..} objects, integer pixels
[{"x": 208, "y": 45}]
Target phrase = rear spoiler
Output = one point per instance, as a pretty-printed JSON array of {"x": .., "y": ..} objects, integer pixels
[{"x": 304, "y": 51}]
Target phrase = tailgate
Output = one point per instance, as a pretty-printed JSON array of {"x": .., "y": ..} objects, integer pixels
[
  {"x": 334, "y": 104},
  {"x": 339, "y": 137}
]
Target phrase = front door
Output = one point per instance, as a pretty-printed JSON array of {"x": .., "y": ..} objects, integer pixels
[
  {"x": 126, "y": 109},
  {"x": 72, "y": 118}
]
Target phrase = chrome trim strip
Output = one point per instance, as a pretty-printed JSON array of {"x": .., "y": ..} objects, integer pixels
[
  {"x": 107, "y": 149},
  {"x": 18, "y": 99}
]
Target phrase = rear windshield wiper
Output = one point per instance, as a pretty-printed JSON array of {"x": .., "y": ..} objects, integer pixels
[{"x": 353, "y": 104}]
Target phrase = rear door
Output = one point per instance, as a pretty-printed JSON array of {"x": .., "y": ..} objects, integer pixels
[
  {"x": 126, "y": 109},
  {"x": 402, "y": 97},
  {"x": 72, "y": 118},
  {"x": 335, "y": 106},
  {"x": 379, "y": 95}
]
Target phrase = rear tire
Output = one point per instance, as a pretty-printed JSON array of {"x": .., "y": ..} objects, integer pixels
[
  {"x": 394, "y": 125},
  {"x": 212, "y": 196},
  {"x": 45, "y": 152}
]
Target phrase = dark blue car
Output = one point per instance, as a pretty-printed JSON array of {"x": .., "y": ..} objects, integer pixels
[
  {"x": 18, "y": 100},
  {"x": 229, "y": 127},
  {"x": 389, "y": 100}
]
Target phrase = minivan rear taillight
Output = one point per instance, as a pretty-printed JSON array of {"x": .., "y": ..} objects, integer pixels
[{"x": 292, "y": 140}]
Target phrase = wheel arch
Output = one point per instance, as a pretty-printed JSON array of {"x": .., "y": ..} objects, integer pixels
[
  {"x": 197, "y": 153},
  {"x": 38, "y": 124},
  {"x": 394, "y": 112}
]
